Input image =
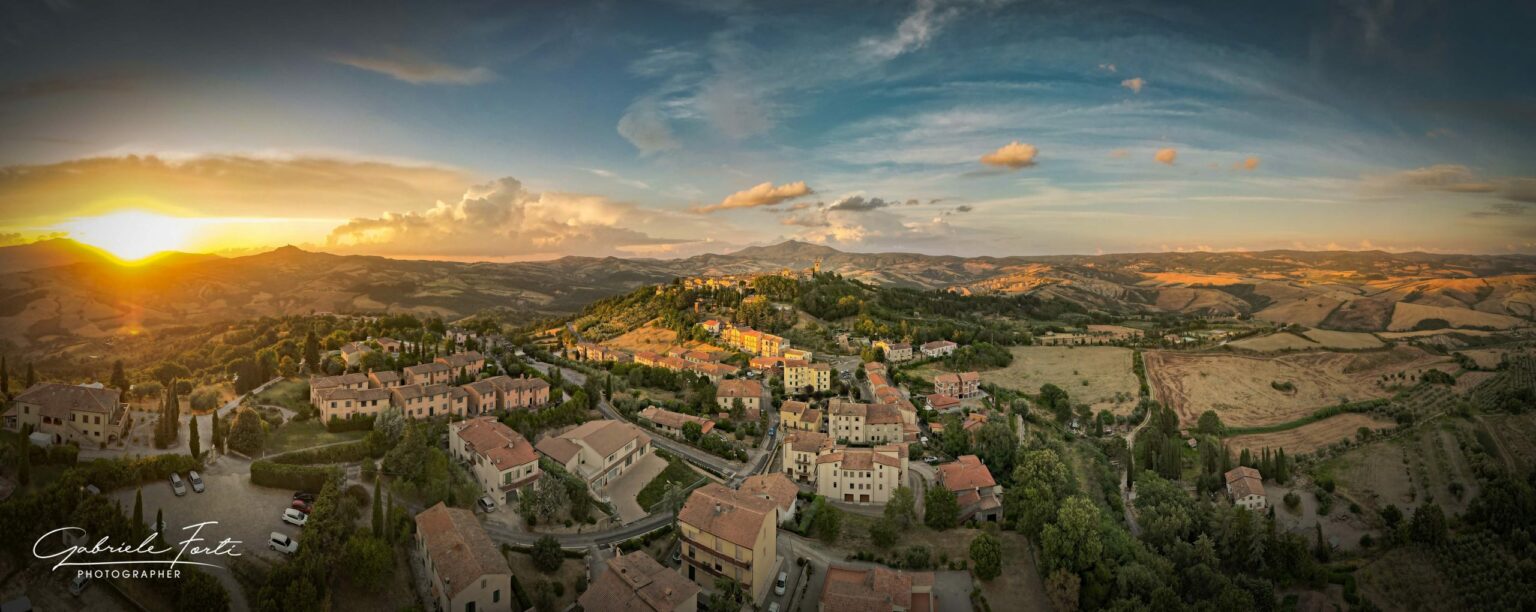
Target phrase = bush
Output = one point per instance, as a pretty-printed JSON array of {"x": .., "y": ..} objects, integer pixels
[
  {"x": 335, "y": 453},
  {"x": 546, "y": 555},
  {"x": 356, "y": 422},
  {"x": 298, "y": 477},
  {"x": 109, "y": 474},
  {"x": 359, "y": 494},
  {"x": 205, "y": 398}
]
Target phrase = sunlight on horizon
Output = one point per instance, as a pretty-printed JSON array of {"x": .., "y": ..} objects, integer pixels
[{"x": 132, "y": 235}]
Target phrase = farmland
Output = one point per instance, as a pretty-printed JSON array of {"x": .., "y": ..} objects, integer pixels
[
  {"x": 1250, "y": 390},
  {"x": 1409, "y": 316},
  {"x": 1312, "y": 436},
  {"x": 1096, "y": 375},
  {"x": 645, "y": 338}
]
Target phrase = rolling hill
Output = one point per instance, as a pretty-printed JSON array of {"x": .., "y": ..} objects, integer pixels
[{"x": 51, "y": 293}]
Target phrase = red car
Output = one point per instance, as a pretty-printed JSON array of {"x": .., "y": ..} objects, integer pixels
[{"x": 302, "y": 506}]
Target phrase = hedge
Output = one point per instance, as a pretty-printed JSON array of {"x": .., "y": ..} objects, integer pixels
[
  {"x": 298, "y": 477},
  {"x": 355, "y": 422},
  {"x": 109, "y": 474},
  {"x": 335, "y": 453}
]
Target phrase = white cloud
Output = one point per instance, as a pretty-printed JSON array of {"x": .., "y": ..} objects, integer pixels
[
  {"x": 761, "y": 194},
  {"x": 1134, "y": 84},
  {"x": 1013, "y": 155},
  {"x": 644, "y": 126},
  {"x": 911, "y": 34},
  {"x": 416, "y": 70}
]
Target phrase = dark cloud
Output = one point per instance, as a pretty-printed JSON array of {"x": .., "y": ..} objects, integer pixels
[
  {"x": 1501, "y": 209},
  {"x": 41, "y": 88},
  {"x": 964, "y": 208},
  {"x": 861, "y": 204}
]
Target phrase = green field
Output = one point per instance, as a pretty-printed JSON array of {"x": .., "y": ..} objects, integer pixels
[
  {"x": 295, "y": 435},
  {"x": 677, "y": 471},
  {"x": 292, "y": 394}
]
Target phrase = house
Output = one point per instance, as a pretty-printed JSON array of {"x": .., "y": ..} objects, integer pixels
[
  {"x": 750, "y": 392},
  {"x": 754, "y": 342},
  {"x": 80, "y": 414},
  {"x": 767, "y": 365},
  {"x": 523, "y": 392},
  {"x": 597, "y": 451},
  {"x": 799, "y": 415},
  {"x": 1246, "y": 487},
  {"x": 500, "y": 459},
  {"x": 895, "y": 351},
  {"x": 672, "y": 423},
  {"x": 978, "y": 495},
  {"x": 465, "y": 569},
  {"x": 801, "y": 448},
  {"x": 803, "y": 377},
  {"x": 467, "y": 364},
  {"x": 859, "y": 423},
  {"x": 938, "y": 348},
  {"x": 384, "y": 379},
  {"x": 597, "y": 352},
  {"x": 877, "y": 589},
  {"x": 730, "y": 534},
  {"x": 390, "y": 346},
  {"x": 353, "y": 352},
  {"x": 964, "y": 385},
  {"x": 712, "y": 326},
  {"x": 424, "y": 401},
  {"x": 355, "y": 380},
  {"x": 635, "y": 582},
  {"x": 484, "y": 397},
  {"x": 648, "y": 359},
  {"x": 345, "y": 402},
  {"x": 862, "y": 475},
  {"x": 715, "y": 372},
  {"x": 777, "y": 488},
  {"x": 435, "y": 373},
  {"x": 942, "y": 403},
  {"x": 797, "y": 354}
]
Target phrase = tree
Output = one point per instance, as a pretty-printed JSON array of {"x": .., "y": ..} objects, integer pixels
[
  {"x": 1039, "y": 484},
  {"x": 1073, "y": 542},
  {"x": 31, "y": 376},
  {"x": 160, "y": 525},
  {"x": 955, "y": 441},
  {"x": 200, "y": 591},
  {"x": 547, "y": 555},
  {"x": 901, "y": 511},
  {"x": 312, "y": 352},
  {"x": 996, "y": 445},
  {"x": 727, "y": 596},
  {"x": 370, "y": 561},
  {"x": 987, "y": 556},
  {"x": 390, "y": 423},
  {"x": 1062, "y": 587},
  {"x": 23, "y": 459},
  {"x": 692, "y": 431},
  {"x": 5, "y": 376},
  {"x": 884, "y": 532},
  {"x": 1210, "y": 424},
  {"x": 940, "y": 508},
  {"x": 827, "y": 525},
  {"x": 138, "y": 510},
  {"x": 1428, "y": 524},
  {"x": 194, "y": 441},
  {"x": 245, "y": 434},
  {"x": 119, "y": 378},
  {"x": 216, "y": 427},
  {"x": 1055, "y": 400},
  {"x": 378, "y": 508}
]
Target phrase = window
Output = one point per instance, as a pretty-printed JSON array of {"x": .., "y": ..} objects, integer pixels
[{"x": 496, "y": 596}]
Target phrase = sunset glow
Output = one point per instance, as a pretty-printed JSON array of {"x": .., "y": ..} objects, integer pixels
[{"x": 132, "y": 235}]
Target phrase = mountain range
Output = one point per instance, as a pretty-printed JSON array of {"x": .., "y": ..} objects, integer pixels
[{"x": 54, "y": 291}]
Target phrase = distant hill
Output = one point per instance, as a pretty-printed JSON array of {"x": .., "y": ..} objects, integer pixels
[{"x": 53, "y": 291}]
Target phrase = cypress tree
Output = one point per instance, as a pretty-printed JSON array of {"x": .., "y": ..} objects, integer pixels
[
  {"x": 119, "y": 378},
  {"x": 389, "y": 517},
  {"x": 160, "y": 526},
  {"x": 1130, "y": 471},
  {"x": 378, "y": 510},
  {"x": 138, "y": 510},
  {"x": 24, "y": 459},
  {"x": 194, "y": 441},
  {"x": 5, "y": 376},
  {"x": 31, "y": 376}
]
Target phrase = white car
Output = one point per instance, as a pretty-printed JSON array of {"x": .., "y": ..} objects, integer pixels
[
  {"x": 178, "y": 486},
  {"x": 196, "y": 480},
  {"x": 778, "y": 587},
  {"x": 283, "y": 544},
  {"x": 293, "y": 516}
]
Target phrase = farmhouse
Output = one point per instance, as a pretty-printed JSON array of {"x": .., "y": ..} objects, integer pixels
[
  {"x": 355, "y": 380},
  {"x": 344, "y": 402},
  {"x": 352, "y": 352},
  {"x": 942, "y": 403},
  {"x": 390, "y": 346},
  {"x": 597, "y": 451},
  {"x": 465, "y": 569},
  {"x": 466, "y": 364},
  {"x": 384, "y": 379},
  {"x": 71, "y": 413},
  {"x": 672, "y": 423},
  {"x": 500, "y": 459},
  {"x": 938, "y": 348},
  {"x": 424, "y": 401},
  {"x": 1246, "y": 487}
]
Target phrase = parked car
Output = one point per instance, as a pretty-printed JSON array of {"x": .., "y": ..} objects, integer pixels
[
  {"x": 487, "y": 504},
  {"x": 294, "y": 517},
  {"x": 773, "y": 606},
  {"x": 307, "y": 497},
  {"x": 778, "y": 587},
  {"x": 773, "y": 430},
  {"x": 177, "y": 485},
  {"x": 79, "y": 584},
  {"x": 930, "y": 460},
  {"x": 283, "y": 544},
  {"x": 301, "y": 506},
  {"x": 196, "y": 479}
]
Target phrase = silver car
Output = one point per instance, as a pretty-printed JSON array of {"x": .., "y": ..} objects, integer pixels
[
  {"x": 197, "y": 481},
  {"x": 178, "y": 486}
]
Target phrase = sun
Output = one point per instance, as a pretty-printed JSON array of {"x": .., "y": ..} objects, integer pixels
[{"x": 132, "y": 235}]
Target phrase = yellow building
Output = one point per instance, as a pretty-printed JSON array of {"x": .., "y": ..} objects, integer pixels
[
  {"x": 795, "y": 415},
  {"x": 730, "y": 534},
  {"x": 71, "y": 413},
  {"x": 859, "y": 423},
  {"x": 800, "y": 376},
  {"x": 862, "y": 475},
  {"x": 801, "y": 448}
]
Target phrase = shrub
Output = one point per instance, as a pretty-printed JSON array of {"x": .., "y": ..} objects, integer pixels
[
  {"x": 546, "y": 555},
  {"x": 356, "y": 422},
  {"x": 335, "y": 453},
  {"x": 284, "y": 476},
  {"x": 359, "y": 494}
]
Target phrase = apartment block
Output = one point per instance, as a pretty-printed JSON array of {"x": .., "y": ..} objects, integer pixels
[
  {"x": 464, "y": 567},
  {"x": 730, "y": 534},
  {"x": 862, "y": 475},
  {"x": 500, "y": 459},
  {"x": 598, "y": 451},
  {"x": 858, "y": 423}
]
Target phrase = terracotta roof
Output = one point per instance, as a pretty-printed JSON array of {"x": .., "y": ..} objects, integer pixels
[
  {"x": 507, "y": 383},
  {"x": 876, "y": 589},
  {"x": 461, "y": 551},
  {"x": 482, "y": 387},
  {"x": 504, "y": 447},
  {"x": 718, "y": 369},
  {"x": 727, "y": 514},
  {"x": 559, "y": 449},
  {"x": 605, "y": 436},
  {"x": 64, "y": 398},
  {"x": 420, "y": 390},
  {"x": 343, "y": 380},
  {"x": 1245, "y": 481},
  {"x": 936, "y": 344},
  {"x": 873, "y": 414},
  {"x": 426, "y": 368},
  {"x": 966, "y": 473},
  {"x": 739, "y": 387},
  {"x": 807, "y": 441},
  {"x": 637, "y": 583},
  {"x": 1243, "y": 471},
  {"x": 355, "y": 347},
  {"x": 794, "y": 407},
  {"x": 459, "y": 360},
  {"x": 775, "y": 486},
  {"x": 343, "y": 393},
  {"x": 385, "y": 377},
  {"x": 939, "y": 401},
  {"x": 675, "y": 420}
]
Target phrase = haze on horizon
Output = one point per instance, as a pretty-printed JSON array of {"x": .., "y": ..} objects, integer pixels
[{"x": 444, "y": 131}]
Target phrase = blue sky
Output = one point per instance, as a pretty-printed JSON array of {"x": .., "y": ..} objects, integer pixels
[{"x": 508, "y": 131}]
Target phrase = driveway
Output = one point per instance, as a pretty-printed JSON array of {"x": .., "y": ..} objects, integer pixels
[{"x": 623, "y": 491}]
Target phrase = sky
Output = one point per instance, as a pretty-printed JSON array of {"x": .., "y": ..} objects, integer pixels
[{"x": 506, "y": 131}]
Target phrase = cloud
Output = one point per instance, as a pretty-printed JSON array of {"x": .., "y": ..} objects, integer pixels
[
  {"x": 860, "y": 204},
  {"x": 762, "y": 194},
  {"x": 501, "y": 219},
  {"x": 416, "y": 70},
  {"x": 1521, "y": 190},
  {"x": 1013, "y": 155},
  {"x": 1107, "y": 67},
  {"x": 1249, "y": 163},
  {"x": 613, "y": 176},
  {"x": 1444, "y": 177},
  {"x": 644, "y": 126},
  {"x": 1119, "y": 153},
  {"x": 92, "y": 84},
  {"x": 242, "y": 185},
  {"x": 911, "y": 34},
  {"x": 1501, "y": 209},
  {"x": 964, "y": 208},
  {"x": 1134, "y": 84},
  {"x": 1165, "y": 156}
]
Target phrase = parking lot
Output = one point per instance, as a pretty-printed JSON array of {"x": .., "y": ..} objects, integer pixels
[{"x": 245, "y": 512}]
